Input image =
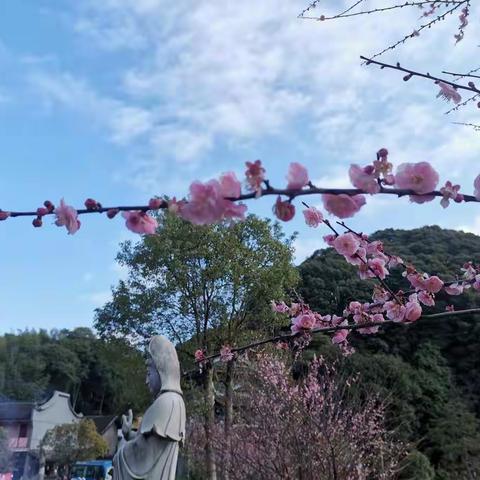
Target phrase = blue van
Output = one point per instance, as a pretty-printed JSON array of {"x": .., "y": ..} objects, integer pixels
[{"x": 92, "y": 470}]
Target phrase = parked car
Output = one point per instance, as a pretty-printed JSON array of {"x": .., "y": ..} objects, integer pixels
[{"x": 92, "y": 470}]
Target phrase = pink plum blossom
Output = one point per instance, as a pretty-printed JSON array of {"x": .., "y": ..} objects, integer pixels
[
  {"x": 364, "y": 178},
  {"x": 419, "y": 177},
  {"x": 313, "y": 217},
  {"x": 413, "y": 310},
  {"x": 346, "y": 244},
  {"x": 67, "y": 217},
  {"x": 341, "y": 335},
  {"x": 280, "y": 307},
  {"x": 208, "y": 202},
  {"x": 155, "y": 203},
  {"x": 450, "y": 191},
  {"x": 448, "y": 92},
  {"x": 230, "y": 186},
  {"x": 433, "y": 284},
  {"x": 174, "y": 206},
  {"x": 426, "y": 298},
  {"x": 4, "y": 215},
  {"x": 421, "y": 198},
  {"x": 417, "y": 281},
  {"x": 469, "y": 271},
  {"x": 380, "y": 294},
  {"x": 283, "y": 210},
  {"x": 394, "y": 310},
  {"x": 140, "y": 222},
  {"x": 329, "y": 239},
  {"x": 376, "y": 318},
  {"x": 205, "y": 205},
  {"x": 226, "y": 354},
  {"x": 454, "y": 289},
  {"x": 359, "y": 258},
  {"x": 297, "y": 176},
  {"x": 199, "y": 356},
  {"x": 476, "y": 185},
  {"x": 304, "y": 321},
  {"x": 343, "y": 206},
  {"x": 255, "y": 174},
  {"x": 377, "y": 267}
]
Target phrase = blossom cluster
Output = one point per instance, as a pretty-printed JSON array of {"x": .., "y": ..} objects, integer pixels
[{"x": 221, "y": 199}]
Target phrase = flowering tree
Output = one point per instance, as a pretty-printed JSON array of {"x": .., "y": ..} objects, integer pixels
[
  {"x": 432, "y": 13},
  {"x": 323, "y": 433}
]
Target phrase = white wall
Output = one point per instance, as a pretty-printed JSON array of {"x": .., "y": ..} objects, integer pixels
[{"x": 54, "y": 412}]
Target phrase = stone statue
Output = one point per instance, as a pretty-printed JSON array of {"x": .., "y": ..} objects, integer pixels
[{"x": 152, "y": 452}]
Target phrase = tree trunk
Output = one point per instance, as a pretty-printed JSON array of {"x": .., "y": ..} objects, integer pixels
[
  {"x": 228, "y": 417},
  {"x": 41, "y": 464},
  {"x": 209, "y": 422}
]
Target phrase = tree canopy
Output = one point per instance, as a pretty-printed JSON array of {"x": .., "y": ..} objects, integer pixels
[{"x": 209, "y": 284}]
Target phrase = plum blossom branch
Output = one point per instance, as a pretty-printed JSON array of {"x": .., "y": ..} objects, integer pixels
[
  {"x": 345, "y": 13},
  {"x": 462, "y": 104},
  {"x": 336, "y": 328},
  {"x": 222, "y": 199},
  {"x": 473, "y": 125},
  {"x": 417, "y": 31},
  {"x": 412, "y": 73}
]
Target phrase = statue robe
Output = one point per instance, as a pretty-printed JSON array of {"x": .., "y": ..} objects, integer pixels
[{"x": 152, "y": 454}]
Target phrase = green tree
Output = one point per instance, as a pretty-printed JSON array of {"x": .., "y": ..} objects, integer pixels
[
  {"x": 427, "y": 372},
  {"x": 102, "y": 376},
  {"x": 5, "y": 452},
  {"x": 205, "y": 285},
  {"x": 72, "y": 442}
]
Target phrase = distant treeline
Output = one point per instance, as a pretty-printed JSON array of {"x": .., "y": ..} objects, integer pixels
[{"x": 101, "y": 377}]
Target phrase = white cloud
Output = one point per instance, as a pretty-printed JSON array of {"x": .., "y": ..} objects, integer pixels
[
  {"x": 207, "y": 75},
  {"x": 97, "y": 299},
  {"x": 305, "y": 246},
  {"x": 474, "y": 227}
]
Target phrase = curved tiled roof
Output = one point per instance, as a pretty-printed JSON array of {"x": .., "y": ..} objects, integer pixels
[{"x": 16, "y": 411}]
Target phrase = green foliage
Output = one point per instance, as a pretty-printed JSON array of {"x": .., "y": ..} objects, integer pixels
[
  {"x": 72, "y": 442},
  {"x": 426, "y": 372},
  {"x": 207, "y": 284},
  {"x": 102, "y": 377},
  {"x": 5, "y": 452},
  {"x": 417, "y": 467}
]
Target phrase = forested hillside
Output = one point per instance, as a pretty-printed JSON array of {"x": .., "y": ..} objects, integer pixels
[
  {"x": 427, "y": 372},
  {"x": 101, "y": 377}
]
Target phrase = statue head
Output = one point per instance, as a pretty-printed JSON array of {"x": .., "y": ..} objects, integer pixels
[{"x": 163, "y": 368}]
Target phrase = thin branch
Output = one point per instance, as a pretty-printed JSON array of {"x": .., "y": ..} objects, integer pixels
[
  {"x": 461, "y": 75},
  {"x": 345, "y": 13},
  {"x": 289, "y": 336},
  {"x": 462, "y": 104},
  {"x": 290, "y": 193},
  {"x": 474, "y": 126},
  {"x": 413, "y": 73},
  {"x": 424, "y": 26}
]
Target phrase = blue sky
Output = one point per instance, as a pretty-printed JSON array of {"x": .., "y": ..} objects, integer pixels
[{"x": 120, "y": 100}]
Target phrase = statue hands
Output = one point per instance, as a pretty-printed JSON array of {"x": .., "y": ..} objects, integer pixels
[{"x": 127, "y": 424}]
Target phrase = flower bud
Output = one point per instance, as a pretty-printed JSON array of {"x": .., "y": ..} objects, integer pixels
[
  {"x": 112, "y": 212},
  {"x": 382, "y": 153},
  {"x": 42, "y": 211},
  {"x": 49, "y": 205},
  {"x": 91, "y": 204},
  {"x": 37, "y": 222},
  {"x": 155, "y": 203},
  {"x": 4, "y": 215}
]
